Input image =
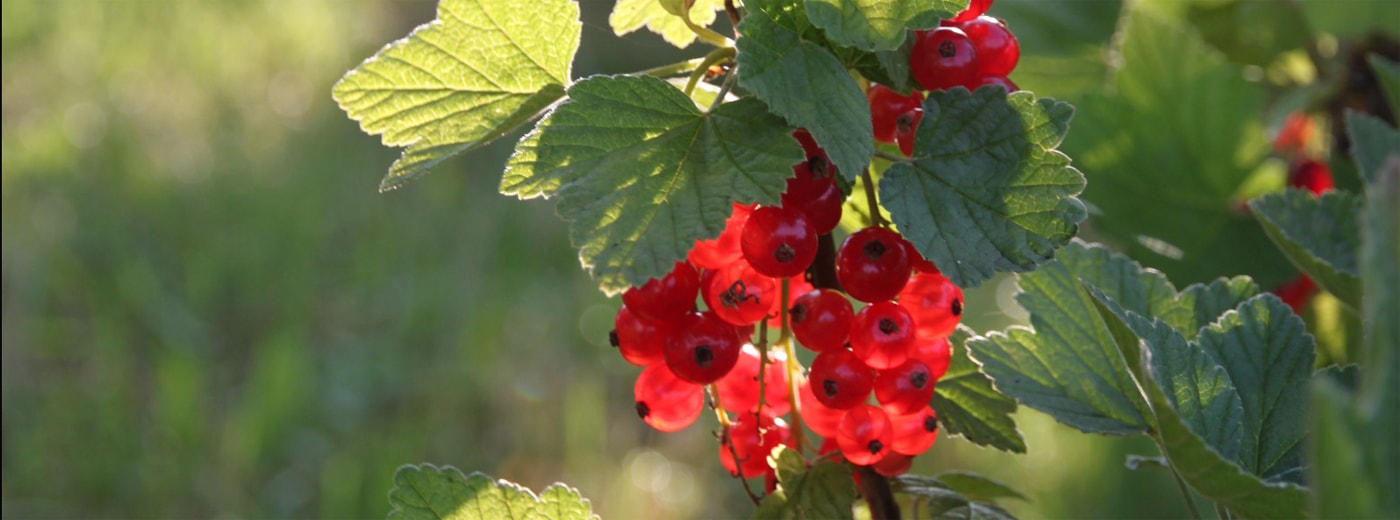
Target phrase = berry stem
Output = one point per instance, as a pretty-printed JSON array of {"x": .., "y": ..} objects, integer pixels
[
  {"x": 876, "y": 490},
  {"x": 724, "y": 88},
  {"x": 891, "y": 157},
  {"x": 718, "y": 406},
  {"x": 869, "y": 184},
  {"x": 719, "y": 55},
  {"x": 705, "y": 34},
  {"x": 734, "y": 16},
  {"x": 763, "y": 362},
  {"x": 794, "y": 373},
  {"x": 675, "y": 69}
]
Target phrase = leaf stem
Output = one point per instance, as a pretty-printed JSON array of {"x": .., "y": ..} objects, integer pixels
[
  {"x": 891, "y": 157},
  {"x": 724, "y": 89},
  {"x": 734, "y": 16},
  {"x": 1180, "y": 484},
  {"x": 1221, "y": 512},
  {"x": 869, "y": 184},
  {"x": 673, "y": 69},
  {"x": 704, "y": 33},
  {"x": 716, "y": 56}
]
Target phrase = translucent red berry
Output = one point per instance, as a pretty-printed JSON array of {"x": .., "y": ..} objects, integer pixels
[
  {"x": 873, "y": 264},
  {"x": 797, "y": 286},
  {"x": 865, "y": 435},
  {"x": 1311, "y": 175},
  {"x": 935, "y": 303},
  {"x": 935, "y": 354},
  {"x": 998, "y": 81},
  {"x": 817, "y": 160},
  {"x": 907, "y": 128},
  {"x": 882, "y": 335},
  {"x": 666, "y": 402},
  {"x": 821, "y": 319},
  {"x": 905, "y": 388},
  {"x": 738, "y": 294},
  {"x": 723, "y": 251},
  {"x": 839, "y": 380},
  {"x": 1297, "y": 292},
  {"x": 778, "y": 242},
  {"x": 702, "y": 348},
  {"x": 641, "y": 342},
  {"x": 944, "y": 58},
  {"x": 974, "y": 9},
  {"x": 997, "y": 50},
  {"x": 738, "y": 390},
  {"x": 914, "y": 433},
  {"x": 886, "y": 107},
  {"x": 752, "y": 438},
  {"x": 820, "y": 418},
  {"x": 667, "y": 298},
  {"x": 818, "y": 198},
  {"x": 894, "y": 465}
]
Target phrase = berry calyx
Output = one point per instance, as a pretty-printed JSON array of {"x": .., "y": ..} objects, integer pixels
[
  {"x": 873, "y": 264},
  {"x": 997, "y": 49},
  {"x": 944, "y": 58},
  {"x": 821, "y": 320},
  {"x": 667, "y": 298},
  {"x": 702, "y": 348},
  {"x": 865, "y": 435},
  {"x": 839, "y": 380},
  {"x": 886, "y": 107},
  {"x": 778, "y": 242},
  {"x": 640, "y": 341},
  {"x": 666, "y": 402},
  {"x": 905, "y": 388},
  {"x": 882, "y": 334}
]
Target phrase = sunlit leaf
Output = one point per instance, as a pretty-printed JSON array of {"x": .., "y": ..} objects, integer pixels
[
  {"x": 426, "y": 492},
  {"x": 1319, "y": 234},
  {"x": 968, "y": 405}
]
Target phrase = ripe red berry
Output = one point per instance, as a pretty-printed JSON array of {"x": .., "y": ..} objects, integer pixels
[
  {"x": 936, "y": 354},
  {"x": 821, "y": 320},
  {"x": 752, "y": 439},
  {"x": 907, "y": 126},
  {"x": 817, "y": 159},
  {"x": 641, "y": 342},
  {"x": 724, "y": 250},
  {"x": 665, "y": 299},
  {"x": 998, "y": 81},
  {"x": 882, "y": 335},
  {"x": 1296, "y": 293},
  {"x": 738, "y": 390},
  {"x": 702, "y": 348},
  {"x": 935, "y": 303},
  {"x": 944, "y": 58},
  {"x": 739, "y": 295},
  {"x": 997, "y": 50},
  {"x": 1297, "y": 130},
  {"x": 1311, "y": 175},
  {"x": 886, "y": 107},
  {"x": 839, "y": 380},
  {"x": 914, "y": 433},
  {"x": 894, "y": 465},
  {"x": 873, "y": 264},
  {"x": 865, "y": 435},
  {"x": 974, "y": 9},
  {"x": 818, "y": 198},
  {"x": 778, "y": 242},
  {"x": 797, "y": 286},
  {"x": 905, "y": 388},
  {"x": 666, "y": 402},
  {"x": 820, "y": 418}
]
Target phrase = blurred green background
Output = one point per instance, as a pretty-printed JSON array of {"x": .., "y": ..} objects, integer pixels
[{"x": 209, "y": 311}]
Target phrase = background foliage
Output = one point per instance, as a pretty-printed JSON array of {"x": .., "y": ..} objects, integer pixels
[{"x": 209, "y": 310}]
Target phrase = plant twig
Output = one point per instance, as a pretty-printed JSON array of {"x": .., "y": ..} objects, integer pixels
[
  {"x": 719, "y": 55},
  {"x": 705, "y": 34},
  {"x": 869, "y": 184},
  {"x": 673, "y": 69},
  {"x": 734, "y": 16},
  {"x": 725, "y": 88},
  {"x": 876, "y": 490}
]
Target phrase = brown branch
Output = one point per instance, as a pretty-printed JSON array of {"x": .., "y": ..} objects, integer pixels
[
  {"x": 876, "y": 490},
  {"x": 822, "y": 274},
  {"x": 733, "y": 13}
]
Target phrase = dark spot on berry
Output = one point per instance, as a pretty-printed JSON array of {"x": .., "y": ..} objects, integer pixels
[
  {"x": 736, "y": 294},
  {"x": 947, "y": 49},
  {"x": 888, "y": 326},
  {"x": 930, "y": 424},
  {"x": 957, "y": 306},
  {"x": 704, "y": 354},
  {"x": 797, "y": 314},
  {"x": 874, "y": 249},
  {"x": 612, "y": 338},
  {"x": 784, "y": 253},
  {"x": 643, "y": 410},
  {"x": 904, "y": 124},
  {"x": 830, "y": 387},
  {"x": 875, "y": 446},
  {"x": 819, "y": 167},
  {"x": 919, "y": 379}
]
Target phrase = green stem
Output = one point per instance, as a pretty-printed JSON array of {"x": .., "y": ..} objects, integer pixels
[
  {"x": 1221, "y": 512},
  {"x": 869, "y": 184},
  {"x": 794, "y": 369},
  {"x": 724, "y": 89},
  {"x": 716, "y": 56},
  {"x": 705, "y": 34},
  {"x": 891, "y": 157},
  {"x": 1180, "y": 484},
  {"x": 673, "y": 69}
]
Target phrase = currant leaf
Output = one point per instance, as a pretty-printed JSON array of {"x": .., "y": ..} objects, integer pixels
[
  {"x": 945, "y": 500},
  {"x": 1372, "y": 140},
  {"x": 877, "y": 25},
  {"x": 1321, "y": 235},
  {"x": 1169, "y": 149},
  {"x": 986, "y": 191},
  {"x": 480, "y": 70},
  {"x": 978, "y": 487},
  {"x": 825, "y": 490},
  {"x": 427, "y": 492},
  {"x": 1388, "y": 75},
  {"x": 629, "y": 15},
  {"x": 641, "y": 173},
  {"x": 969, "y": 406},
  {"x": 783, "y": 64}
]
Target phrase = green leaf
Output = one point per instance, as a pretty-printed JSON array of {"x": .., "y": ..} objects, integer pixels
[
  {"x": 483, "y": 68},
  {"x": 426, "y": 492},
  {"x": 877, "y": 25},
  {"x": 986, "y": 192},
  {"x": 1372, "y": 140},
  {"x": 1197, "y": 386},
  {"x": 1388, "y": 73},
  {"x": 1358, "y": 18},
  {"x": 951, "y": 509},
  {"x": 804, "y": 83},
  {"x": 1318, "y": 234},
  {"x": 977, "y": 487},
  {"x": 1167, "y": 150},
  {"x": 825, "y": 490},
  {"x": 1378, "y": 402},
  {"x": 967, "y": 405},
  {"x": 946, "y": 503},
  {"x": 629, "y": 15},
  {"x": 1341, "y": 451},
  {"x": 1200, "y": 465},
  {"x": 641, "y": 173},
  {"x": 1063, "y": 43}
]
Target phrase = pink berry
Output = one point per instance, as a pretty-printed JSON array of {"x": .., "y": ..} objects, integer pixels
[
  {"x": 666, "y": 402},
  {"x": 865, "y": 435}
]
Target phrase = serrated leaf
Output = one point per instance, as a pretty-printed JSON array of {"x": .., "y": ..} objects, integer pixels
[
  {"x": 877, "y": 25},
  {"x": 426, "y": 492},
  {"x": 641, "y": 173},
  {"x": 949, "y": 509},
  {"x": 825, "y": 490},
  {"x": 1341, "y": 446},
  {"x": 1064, "y": 43},
  {"x": 944, "y": 502},
  {"x": 1320, "y": 235},
  {"x": 967, "y": 405},
  {"x": 1388, "y": 74},
  {"x": 1378, "y": 402},
  {"x": 1167, "y": 148},
  {"x": 1372, "y": 141},
  {"x": 1200, "y": 465},
  {"x": 977, "y": 487},
  {"x": 804, "y": 83},
  {"x": 481, "y": 69},
  {"x": 889, "y": 68},
  {"x": 629, "y": 15},
  {"x": 986, "y": 192}
]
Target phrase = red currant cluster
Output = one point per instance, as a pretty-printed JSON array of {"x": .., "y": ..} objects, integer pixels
[
  {"x": 1305, "y": 171},
  {"x": 969, "y": 50},
  {"x": 893, "y": 348}
]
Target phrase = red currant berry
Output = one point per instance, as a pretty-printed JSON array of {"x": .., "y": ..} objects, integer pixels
[
  {"x": 974, "y": 9},
  {"x": 894, "y": 465},
  {"x": 935, "y": 354},
  {"x": 914, "y": 433},
  {"x": 665, "y": 299},
  {"x": 821, "y": 418},
  {"x": 998, "y": 81},
  {"x": 818, "y": 198},
  {"x": 997, "y": 50},
  {"x": 935, "y": 303},
  {"x": 752, "y": 438},
  {"x": 907, "y": 127},
  {"x": 821, "y": 320},
  {"x": 739, "y": 295},
  {"x": 778, "y": 242},
  {"x": 1311, "y": 175},
  {"x": 886, "y": 107},
  {"x": 817, "y": 159},
  {"x": 666, "y": 402},
  {"x": 873, "y": 264},
  {"x": 865, "y": 435},
  {"x": 905, "y": 388},
  {"x": 738, "y": 390},
  {"x": 944, "y": 58},
  {"x": 839, "y": 380},
  {"x": 882, "y": 335},
  {"x": 723, "y": 251},
  {"x": 641, "y": 342},
  {"x": 1297, "y": 130},
  {"x": 797, "y": 286},
  {"x": 702, "y": 348},
  {"x": 1297, "y": 292}
]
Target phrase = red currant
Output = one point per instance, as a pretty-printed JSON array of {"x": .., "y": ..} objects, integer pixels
[
  {"x": 908, "y": 126},
  {"x": 1311, "y": 175},
  {"x": 797, "y": 286},
  {"x": 819, "y": 417},
  {"x": 997, "y": 50},
  {"x": 817, "y": 159},
  {"x": 821, "y": 320},
  {"x": 702, "y": 348},
  {"x": 839, "y": 380},
  {"x": 882, "y": 334},
  {"x": 944, "y": 58},
  {"x": 935, "y": 303},
  {"x": 778, "y": 242},
  {"x": 1297, "y": 130},
  {"x": 723, "y": 251},
  {"x": 752, "y": 438},
  {"x": 914, "y": 433},
  {"x": 666, "y": 402},
  {"x": 865, "y": 435},
  {"x": 873, "y": 264},
  {"x": 665, "y": 299},
  {"x": 738, "y": 390},
  {"x": 1296, "y": 293},
  {"x": 974, "y": 9},
  {"x": 894, "y": 465},
  {"x": 998, "y": 81},
  {"x": 886, "y": 107},
  {"x": 818, "y": 198},
  {"x": 905, "y": 388},
  {"x": 935, "y": 354},
  {"x": 739, "y": 295},
  {"x": 641, "y": 342}
]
